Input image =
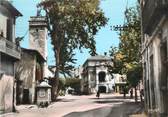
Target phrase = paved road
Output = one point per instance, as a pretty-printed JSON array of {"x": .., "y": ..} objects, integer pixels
[{"x": 109, "y": 105}]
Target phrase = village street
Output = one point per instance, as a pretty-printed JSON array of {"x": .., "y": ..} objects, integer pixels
[{"x": 109, "y": 105}]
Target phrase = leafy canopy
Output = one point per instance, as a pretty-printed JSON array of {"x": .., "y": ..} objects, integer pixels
[
  {"x": 127, "y": 57},
  {"x": 72, "y": 24}
]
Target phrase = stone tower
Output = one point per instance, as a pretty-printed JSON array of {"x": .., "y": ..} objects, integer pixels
[{"x": 38, "y": 37}]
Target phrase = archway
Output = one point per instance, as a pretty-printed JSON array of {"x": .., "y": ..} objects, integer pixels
[{"x": 102, "y": 76}]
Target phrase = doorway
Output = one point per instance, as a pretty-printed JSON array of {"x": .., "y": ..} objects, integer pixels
[
  {"x": 102, "y": 89},
  {"x": 26, "y": 96}
]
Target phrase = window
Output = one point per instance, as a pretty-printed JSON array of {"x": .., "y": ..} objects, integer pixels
[
  {"x": 147, "y": 96},
  {"x": 92, "y": 76},
  {"x": 102, "y": 76},
  {"x": 164, "y": 75},
  {"x": 9, "y": 30},
  {"x": 152, "y": 80}
]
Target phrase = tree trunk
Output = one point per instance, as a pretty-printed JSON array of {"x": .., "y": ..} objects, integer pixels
[
  {"x": 56, "y": 78},
  {"x": 136, "y": 98}
]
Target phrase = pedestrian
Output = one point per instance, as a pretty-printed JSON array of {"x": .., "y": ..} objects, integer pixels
[
  {"x": 131, "y": 93},
  {"x": 141, "y": 94},
  {"x": 124, "y": 92},
  {"x": 98, "y": 94}
]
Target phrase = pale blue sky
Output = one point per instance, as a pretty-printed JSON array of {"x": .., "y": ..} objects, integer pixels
[{"x": 114, "y": 10}]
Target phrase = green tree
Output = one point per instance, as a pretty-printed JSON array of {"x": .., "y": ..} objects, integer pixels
[
  {"x": 130, "y": 37},
  {"x": 72, "y": 24},
  {"x": 127, "y": 57},
  {"x": 62, "y": 82},
  {"x": 73, "y": 83},
  {"x": 134, "y": 76},
  {"x": 118, "y": 63}
]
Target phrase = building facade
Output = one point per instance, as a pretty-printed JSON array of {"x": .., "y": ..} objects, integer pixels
[
  {"x": 38, "y": 38},
  {"x": 32, "y": 68},
  {"x": 154, "y": 56},
  {"x": 95, "y": 75},
  {"x": 76, "y": 72},
  {"x": 29, "y": 74},
  {"x": 9, "y": 54},
  {"x": 120, "y": 82}
]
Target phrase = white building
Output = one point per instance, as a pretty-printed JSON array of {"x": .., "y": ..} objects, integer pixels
[
  {"x": 32, "y": 68},
  {"x": 77, "y": 72},
  {"x": 120, "y": 82},
  {"x": 95, "y": 75}
]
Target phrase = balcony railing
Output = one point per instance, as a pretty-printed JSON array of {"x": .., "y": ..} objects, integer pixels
[
  {"x": 152, "y": 11},
  {"x": 9, "y": 48}
]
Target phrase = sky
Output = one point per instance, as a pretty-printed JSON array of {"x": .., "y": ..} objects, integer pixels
[{"x": 105, "y": 38}]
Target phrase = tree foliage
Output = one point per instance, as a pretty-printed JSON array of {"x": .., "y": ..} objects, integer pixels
[
  {"x": 73, "y": 83},
  {"x": 131, "y": 37},
  {"x": 62, "y": 83},
  {"x": 134, "y": 75},
  {"x": 127, "y": 57},
  {"x": 72, "y": 24}
]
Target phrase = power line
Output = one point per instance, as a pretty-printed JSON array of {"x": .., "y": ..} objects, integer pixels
[{"x": 26, "y": 33}]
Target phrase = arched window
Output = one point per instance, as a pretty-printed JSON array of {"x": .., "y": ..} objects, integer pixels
[{"x": 102, "y": 76}]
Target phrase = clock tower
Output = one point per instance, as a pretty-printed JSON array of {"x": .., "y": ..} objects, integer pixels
[{"x": 38, "y": 36}]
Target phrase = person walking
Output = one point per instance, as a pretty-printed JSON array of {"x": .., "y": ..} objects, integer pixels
[
  {"x": 124, "y": 92},
  {"x": 131, "y": 93},
  {"x": 98, "y": 94},
  {"x": 141, "y": 94}
]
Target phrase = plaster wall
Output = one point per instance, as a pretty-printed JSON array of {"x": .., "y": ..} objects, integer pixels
[
  {"x": 4, "y": 16},
  {"x": 6, "y": 93},
  {"x": 25, "y": 72}
]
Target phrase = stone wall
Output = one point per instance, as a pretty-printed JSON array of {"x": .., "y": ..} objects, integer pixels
[
  {"x": 6, "y": 93},
  {"x": 25, "y": 69},
  {"x": 155, "y": 48},
  {"x": 25, "y": 72}
]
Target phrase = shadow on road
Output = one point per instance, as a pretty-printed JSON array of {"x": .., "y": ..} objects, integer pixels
[
  {"x": 99, "y": 112},
  {"x": 121, "y": 110},
  {"x": 65, "y": 100},
  {"x": 108, "y": 101},
  {"x": 112, "y": 97}
]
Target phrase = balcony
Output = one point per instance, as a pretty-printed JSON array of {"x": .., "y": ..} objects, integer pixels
[
  {"x": 10, "y": 48},
  {"x": 152, "y": 12}
]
